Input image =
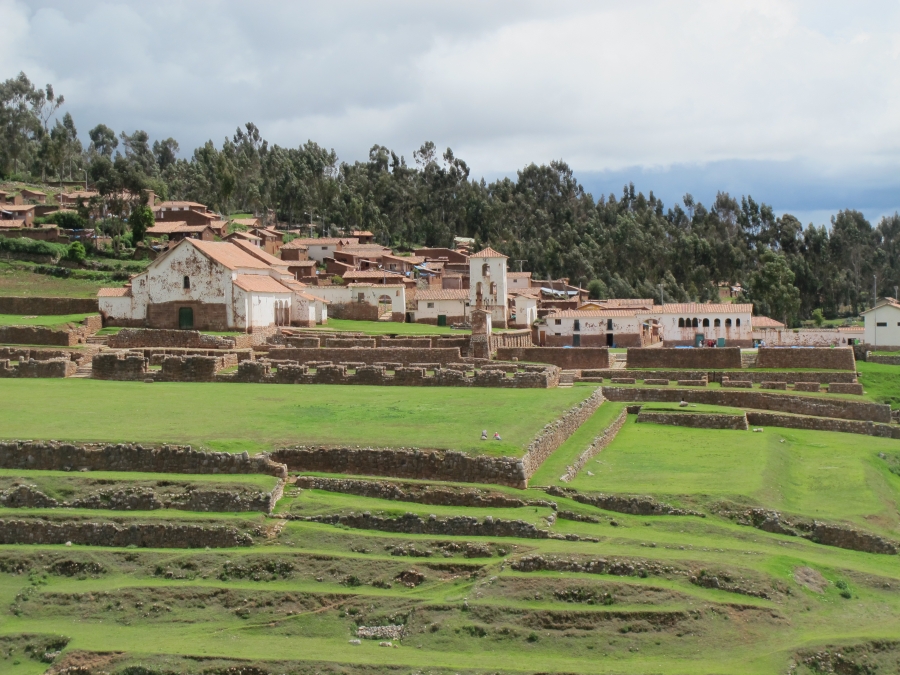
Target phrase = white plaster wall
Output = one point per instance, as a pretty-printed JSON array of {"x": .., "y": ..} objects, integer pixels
[
  {"x": 497, "y": 303},
  {"x": 445, "y": 307},
  {"x": 669, "y": 329},
  {"x": 888, "y": 335},
  {"x": 259, "y": 308},
  {"x": 593, "y": 325},
  {"x": 122, "y": 308},
  {"x": 371, "y": 294},
  {"x": 319, "y": 252},
  {"x": 526, "y": 310},
  {"x": 813, "y": 337}
]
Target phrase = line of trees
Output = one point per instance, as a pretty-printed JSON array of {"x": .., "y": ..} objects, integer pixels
[{"x": 629, "y": 245}]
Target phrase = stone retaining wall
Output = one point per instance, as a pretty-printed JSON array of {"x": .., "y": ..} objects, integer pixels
[
  {"x": 48, "y": 306},
  {"x": 800, "y": 405},
  {"x": 129, "y": 338},
  {"x": 150, "y": 535},
  {"x": 442, "y": 465},
  {"x": 695, "y": 420},
  {"x": 38, "y": 335},
  {"x": 704, "y": 359},
  {"x": 52, "y": 456},
  {"x": 755, "y": 376},
  {"x": 120, "y": 366},
  {"x": 637, "y": 506},
  {"x": 840, "y": 388},
  {"x": 351, "y": 342},
  {"x": 567, "y": 359},
  {"x": 770, "y": 419},
  {"x": 369, "y": 357},
  {"x": 837, "y": 358},
  {"x": 556, "y": 433},
  {"x": 39, "y": 354},
  {"x": 600, "y": 441},
  {"x": 451, "y": 375},
  {"x": 885, "y": 360}
]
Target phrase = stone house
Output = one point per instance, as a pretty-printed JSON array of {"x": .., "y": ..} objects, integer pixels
[
  {"x": 201, "y": 285},
  {"x": 685, "y": 324},
  {"x": 442, "y": 307},
  {"x": 883, "y": 323},
  {"x": 488, "y": 285}
]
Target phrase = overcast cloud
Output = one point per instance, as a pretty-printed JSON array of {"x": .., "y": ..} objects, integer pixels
[{"x": 794, "y": 102}]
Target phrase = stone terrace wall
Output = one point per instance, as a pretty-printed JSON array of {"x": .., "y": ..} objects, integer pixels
[
  {"x": 445, "y": 465},
  {"x": 48, "y": 368},
  {"x": 39, "y": 335},
  {"x": 701, "y": 359},
  {"x": 356, "y": 311},
  {"x": 736, "y": 398},
  {"x": 768, "y": 419},
  {"x": 51, "y": 456},
  {"x": 350, "y": 342},
  {"x": 886, "y": 360},
  {"x": 152, "y": 535},
  {"x": 755, "y": 376},
  {"x": 695, "y": 420},
  {"x": 453, "y": 375},
  {"x": 48, "y": 306},
  {"x": 120, "y": 366},
  {"x": 600, "y": 441},
  {"x": 556, "y": 433},
  {"x": 129, "y": 338},
  {"x": 838, "y": 358},
  {"x": 193, "y": 368},
  {"x": 406, "y": 343},
  {"x": 367, "y": 356},
  {"x": 25, "y": 353},
  {"x": 567, "y": 359}
]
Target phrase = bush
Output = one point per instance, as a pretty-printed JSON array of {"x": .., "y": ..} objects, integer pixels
[
  {"x": 596, "y": 290},
  {"x": 76, "y": 252},
  {"x": 32, "y": 247},
  {"x": 69, "y": 220},
  {"x": 337, "y": 280}
]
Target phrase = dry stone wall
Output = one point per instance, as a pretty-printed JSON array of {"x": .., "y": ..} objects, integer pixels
[
  {"x": 48, "y": 306},
  {"x": 818, "y": 358},
  {"x": 755, "y": 376},
  {"x": 883, "y": 359},
  {"x": 771, "y": 419},
  {"x": 638, "y": 506},
  {"x": 350, "y": 343},
  {"x": 129, "y": 338},
  {"x": 52, "y": 456},
  {"x": 567, "y": 359},
  {"x": 695, "y": 420},
  {"x": 556, "y": 433},
  {"x": 797, "y": 405},
  {"x": 597, "y": 445},
  {"x": 406, "y": 357},
  {"x": 30, "y": 368},
  {"x": 417, "y": 375},
  {"x": 699, "y": 359},
  {"x": 120, "y": 366},
  {"x": 150, "y": 535},
  {"x": 39, "y": 335}
]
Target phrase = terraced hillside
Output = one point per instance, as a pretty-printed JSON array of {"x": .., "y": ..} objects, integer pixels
[{"x": 671, "y": 550}]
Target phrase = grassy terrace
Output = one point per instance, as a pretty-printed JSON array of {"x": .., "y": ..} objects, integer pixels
[
  {"x": 56, "y": 321},
  {"x": 237, "y": 417},
  {"x": 18, "y": 279}
]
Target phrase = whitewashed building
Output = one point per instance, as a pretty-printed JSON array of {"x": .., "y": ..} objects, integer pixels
[
  {"x": 488, "y": 285},
  {"x": 205, "y": 286},
  {"x": 442, "y": 306},
  {"x": 883, "y": 323},
  {"x": 598, "y": 328},
  {"x": 363, "y": 301},
  {"x": 684, "y": 324}
]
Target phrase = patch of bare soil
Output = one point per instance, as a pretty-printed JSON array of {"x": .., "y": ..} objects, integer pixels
[{"x": 811, "y": 579}]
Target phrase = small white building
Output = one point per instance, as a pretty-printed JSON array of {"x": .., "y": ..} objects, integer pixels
[
  {"x": 516, "y": 281},
  {"x": 372, "y": 300},
  {"x": 883, "y": 323},
  {"x": 523, "y": 308},
  {"x": 684, "y": 324},
  {"x": 442, "y": 307},
  {"x": 598, "y": 328},
  {"x": 323, "y": 247},
  {"x": 201, "y": 285},
  {"x": 488, "y": 285}
]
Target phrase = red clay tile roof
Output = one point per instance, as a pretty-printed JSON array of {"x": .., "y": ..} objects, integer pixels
[
  {"x": 259, "y": 254},
  {"x": 443, "y": 294},
  {"x": 704, "y": 308},
  {"x": 296, "y": 243},
  {"x": 583, "y": 313},
  {"x": 489, "y": 253},
  {"x": 243, "y": 235},
  {"x": 765, "y": 322},
  {"x": 172, "y": 205},
  {"x": 260, "y": 283},
  {"x": 299, "y": 263},
  {"x": 114, "y": 292},
  {"x": 518, "y": 275},
  {"x": 370, "y": 274},
  {"x": 227, "y": 254},
  {"x": 175, "y": 227},
  {"x": 327, "y": 241}
]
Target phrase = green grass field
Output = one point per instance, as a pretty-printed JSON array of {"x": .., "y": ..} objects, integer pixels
[
  {"x": 50, "y": 321},
  {"x": 881, "y": 382},
  {"x": 386, "y": 328},
  {"x": 236, "y": 417},
  {"x": 17, "y": 280}
]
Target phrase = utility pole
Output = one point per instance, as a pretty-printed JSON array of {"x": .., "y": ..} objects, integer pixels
[
  {"x": 874, "y": 302},
  {"x": 662, "y": 296},
  {"x": 520, "y": 263}
]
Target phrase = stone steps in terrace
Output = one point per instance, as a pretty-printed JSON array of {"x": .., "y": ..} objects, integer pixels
[{"x": 567, "y": 378}]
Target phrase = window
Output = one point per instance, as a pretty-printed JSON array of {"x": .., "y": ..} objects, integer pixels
[
  {"x": 485, "y": 270},
  {"x": 558, "y": 322},
  {"x": 695, "y": 323},
  {"x": 737, "y": 322},
  {"x": 706, "y": 323},
  {"x": 681, "y": 322},
  {"x": 609, "y": 324},
  {"x": 187, "y": 283},
  {"x": 727, "y": 323},
  {"x": 324, "y": 248},
  {"x": 430, "y": 305},
  {"x": 577, "y": 325},
  {"x": 882, "y": 324},
  {"x": 717, "y": 323}
]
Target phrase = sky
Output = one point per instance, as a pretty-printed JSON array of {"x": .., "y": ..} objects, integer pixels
[{"x": 796, "y": 103}]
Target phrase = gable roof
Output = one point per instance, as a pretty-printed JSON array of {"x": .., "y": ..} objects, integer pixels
[
  {"x": 587, "y": 313},
  {"x": 227, "y": 254},
  {"x": 885, "y": 302},
  {"x": 259, "y": 254},
  {"x": 489, "y": 253},
  {"x": 174, "y": 227},
  {"x": 260, "y": 283},
  {"x": 370, "y": 274},
  {"x": 296, "y": 243},
  {"x": 765, "y": 322},
  {"x": 242, "y": 235},
  {"x": 123, "y": 292},
  {"x": 327, "y": 241},
  {"x": 180, "y": 205},
  {"x": 704, "y": 308},
  {"x": 443, "y": 294},
  {"x": 518, "y": 275}
]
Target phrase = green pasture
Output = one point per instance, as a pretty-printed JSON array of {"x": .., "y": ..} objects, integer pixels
[
  {"x": 18, "y": 279},
  {"x": 881, "y": 382},
  {"x": 56, "y": 321},
  {"x": 253, "y": 417},
  {"x": 810, "y": 473}
]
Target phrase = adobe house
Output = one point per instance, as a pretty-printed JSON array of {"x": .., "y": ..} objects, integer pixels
[
  {"x": 34, "y": 195},
  {"x": 191, "y": 213},
  {"x": 294, "y": 250},
  {"x": 441, "y": 307},
  {"x": 883, "y": 323},
  {"x": 270, "y": 240},
  {"x": 176, "y": 231},
  {"x": 75, "y": 198},
  {"x": 598, "y": 328},
  {"x": 523, "y": 307},
  {"x": 686, "y": 324},
  {"x": 324, "y": 247},
  {"x": 23, "y": 213},
  {"x": 363, "y": 236},
  {"x": 487, "y": 284},
  {"x": 362, "y": 301},
  {"x": 246, "y": 237},
  {"x": 10, "y": 198},
  {"x": 201, "y": 285}
]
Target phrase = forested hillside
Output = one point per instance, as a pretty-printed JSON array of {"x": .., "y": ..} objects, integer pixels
[{"x": 632, "y": 243}]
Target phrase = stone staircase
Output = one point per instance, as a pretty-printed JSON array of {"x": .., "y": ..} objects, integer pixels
[
  {"x": 567, "y": 378},
  {"x": 387, "y": 316},
  {"x": 85, "y": 371},
  {"x": 100, "y": 340},
  {"x": 618, "y": 361},
  {"x": 748, "y": 359}
]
